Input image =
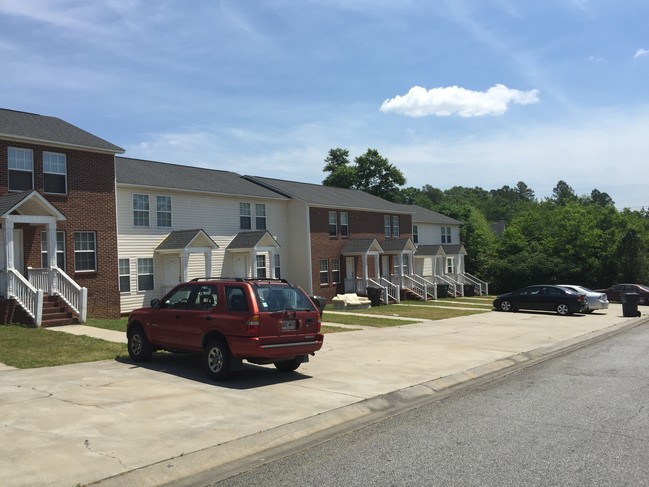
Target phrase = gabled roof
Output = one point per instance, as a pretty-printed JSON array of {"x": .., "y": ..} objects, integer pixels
[
  {"x": 40, "y": 129},
  {"x": 424, "y": 215},
  {"x": 423, "y": 250},
  {"x": 28, "y": 203},
  {"x": 153, "y": 174},
  {"x": 252, "y": 239},
  {"x": 454, "y": 249},
  {"x": 182, "y": 239},
  {"x": 361, "y": 246},
  {"x": 397, "y": 245},
  {"x": 328, "y": 196}
]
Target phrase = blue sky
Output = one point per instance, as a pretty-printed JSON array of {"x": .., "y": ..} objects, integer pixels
[{"x": 453, "y": 92}]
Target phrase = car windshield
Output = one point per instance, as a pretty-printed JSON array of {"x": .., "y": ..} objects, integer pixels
[{"x": 281, "y": 297}]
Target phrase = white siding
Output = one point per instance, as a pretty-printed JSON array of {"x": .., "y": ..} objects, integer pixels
[{"x": 431, "y": 234}]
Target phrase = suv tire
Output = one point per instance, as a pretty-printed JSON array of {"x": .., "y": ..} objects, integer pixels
[
  {"x": 288, "y": 366},
  {"x": 139, "y": 347},
  {"x": 217, "y": 359}
]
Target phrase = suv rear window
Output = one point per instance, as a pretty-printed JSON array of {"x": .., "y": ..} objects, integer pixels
[{"x": 280, "y": 297}]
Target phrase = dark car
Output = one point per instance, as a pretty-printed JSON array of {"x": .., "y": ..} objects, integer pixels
[
  {"x": 264, "y": 321},
  {"x": 543, "y": 298},
  {"x": 615, "y": 292}
]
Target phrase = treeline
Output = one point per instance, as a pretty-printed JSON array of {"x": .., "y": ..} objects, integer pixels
[{"x": 514, "y": 239}]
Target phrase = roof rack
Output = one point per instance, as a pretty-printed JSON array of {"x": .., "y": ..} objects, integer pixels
[{"x": 239, "y": 279}]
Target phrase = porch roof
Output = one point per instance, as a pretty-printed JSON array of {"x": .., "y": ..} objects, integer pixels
[
  {"x": 393, "y": 245},
  {"x": 429, "y": 250},
  {"x": 361, "y": 246},
  {"x": 28, "y": 203},
  {"x": 454, "y": 249},
  {"x": 183, "y": 239},
  {"x": 253, "y": 239}
]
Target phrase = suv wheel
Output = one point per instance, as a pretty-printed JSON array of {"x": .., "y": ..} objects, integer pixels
[
  {"x": 217, "y": 360},
  {"x": 139, "y": 347},
  {"x": 288, "y": 366}
]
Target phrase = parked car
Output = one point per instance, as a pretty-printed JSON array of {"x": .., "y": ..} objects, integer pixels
[
  {"x": 595, "y": 299},
  {"x": 543, "y": 298},
  {"x": 262, "y": 321},
  {"x": 615, "y": 292}
]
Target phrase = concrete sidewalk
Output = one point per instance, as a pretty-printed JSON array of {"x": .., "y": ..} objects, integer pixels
[{"x": 118, "y": 423}]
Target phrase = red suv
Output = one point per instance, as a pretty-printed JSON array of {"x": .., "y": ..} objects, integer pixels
[{"x": 263, "y": 321}]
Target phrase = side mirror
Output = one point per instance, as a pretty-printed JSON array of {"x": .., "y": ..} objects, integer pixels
[{"x": 155, "y": 303}]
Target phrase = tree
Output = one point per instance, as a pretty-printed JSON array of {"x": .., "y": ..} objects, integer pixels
[
  {"x": 524, "y": 192},
  {"x": 342, "y": 175},
  {"x": 601, "y": 199},
  {"x": 563, "y": 193},
  {"x": 375, "y": 175}
]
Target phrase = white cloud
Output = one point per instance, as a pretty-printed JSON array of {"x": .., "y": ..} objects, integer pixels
[
  {"x": 641, "y": 53},
  {"x": 419, "y": 102}
]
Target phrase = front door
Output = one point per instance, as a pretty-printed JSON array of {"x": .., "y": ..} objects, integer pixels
[
  {"x": 172, "y": 271},
  {"x": 385, "y": 266},
  {"x": 240, "y": 266}
]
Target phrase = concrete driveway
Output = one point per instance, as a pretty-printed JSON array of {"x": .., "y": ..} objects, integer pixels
[{"x": 118, "y": 423}]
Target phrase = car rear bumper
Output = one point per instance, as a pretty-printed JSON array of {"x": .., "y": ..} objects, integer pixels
[{"x": 255, "y": 347}]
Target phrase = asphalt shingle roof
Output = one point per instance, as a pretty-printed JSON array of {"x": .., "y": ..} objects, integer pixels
[
  {"x": 328, "y": 196},
  {"x": 33, "y": 128},
  {"x": 248, "y": 240},
  {"x": 175, "y": 176},
  {"x": 8, "y": 201},
  {"x": 179, "y": 239},
  {"x": 425, "y": 215}
]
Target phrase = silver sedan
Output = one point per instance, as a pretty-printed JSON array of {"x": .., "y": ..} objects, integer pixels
[{"x": 595, "y": 300}]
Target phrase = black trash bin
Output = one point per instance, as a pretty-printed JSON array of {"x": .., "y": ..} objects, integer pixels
[
  {"x": 630, "y": 305},
  {"x": 442, "y": 290},
  {"x": 320, "y": 302},
  {"x": 469, "y": 290},
  {"x": 374, "y": 295}
]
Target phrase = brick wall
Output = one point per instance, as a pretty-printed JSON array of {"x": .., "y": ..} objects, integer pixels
[
  {"x": 89, "y": 206},
  {"x": 362, "y": 224}
]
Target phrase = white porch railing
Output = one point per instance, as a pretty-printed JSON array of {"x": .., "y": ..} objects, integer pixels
[
  {"x": 479, "y": 285},
  {"x": 60, "y": 284},
  {"x": 30, "y": 298},
  {"x": 392, "y": 290},
  {"x": 452, "y": 283},
  {"x": 418, "y": 287},
  {"x": 431, "y": 287}
]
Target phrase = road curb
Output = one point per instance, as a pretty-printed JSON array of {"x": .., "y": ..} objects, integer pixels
[{"x": 221, "y": 461}]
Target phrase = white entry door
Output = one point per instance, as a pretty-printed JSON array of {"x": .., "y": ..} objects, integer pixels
[
  {"x": 173, "y": 274},
  {"x": 240, "y": 266},
  {"x": 19, "y": 255}
]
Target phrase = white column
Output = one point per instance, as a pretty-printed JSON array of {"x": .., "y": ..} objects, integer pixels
[
  {"x": 51, "y": 244},
  {"x": 9, "y": 243},
  {"x": 271, "y": 264},
  {"x": 184, "y": 265},
  {"x": 377, "y": 270},
  {"x": 208, "y": 263},
  {"x": 253, "y": 264}
]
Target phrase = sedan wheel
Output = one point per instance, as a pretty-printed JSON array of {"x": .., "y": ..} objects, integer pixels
[
  {"x": 563, "y": 309},
  {"x": 217, "y": 360},
  {"x": 506, "y": 306}
]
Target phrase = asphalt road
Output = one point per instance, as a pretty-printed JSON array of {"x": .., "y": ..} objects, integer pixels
[{"x": 577, "y": 420}]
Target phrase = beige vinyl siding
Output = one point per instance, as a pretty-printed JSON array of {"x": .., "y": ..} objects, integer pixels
[
  {"x": 297, "y": 265},
  {"x": 431, "y": 234}
]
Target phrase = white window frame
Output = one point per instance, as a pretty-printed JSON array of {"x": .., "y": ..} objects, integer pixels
[
  {"x": 145, "y": 268},
  {"x": 333, "y": 224},
  {"x": 60, "y": 250},
  {"x": 124, "y": 271},
  {"x": 344, "y": 224},
  {"x": 260, "y": 263},
  {"x": 324, "y": 271},
  {"x": 335, "y": 270},
  {"x": 141, "y": 210},
  {"x": 260, "y": 216},
  {"x": 163, "y": 215},
  {"x": 415, "y": 234},
  {"x": 387, "y": 226},
  {"x": 85, "y": 246},
  {"x": 245, "y": 215},
  {"x": 450, "y": 265},
  {"x": 20, "y": 163},
  {"x": 446, "y": 235},
  {"x": 55, "y": 163},
  {"x": 395, "y": 226},
  {"x": 278, "y": 267}
]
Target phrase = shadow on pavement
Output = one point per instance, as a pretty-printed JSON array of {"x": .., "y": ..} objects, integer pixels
[{"x": 189, "y": 366}]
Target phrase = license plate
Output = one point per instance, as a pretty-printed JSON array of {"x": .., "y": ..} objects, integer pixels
[{"x": 289, "y": 324}]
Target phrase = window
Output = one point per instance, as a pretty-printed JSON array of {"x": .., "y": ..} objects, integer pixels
[
  {"x": 260, "y": 216},
  {"x": 60, "y": 250},
  {"x": 335, "y": 271},
  {"x": 344, "y": 224},
  {"x": 278, "y": 274},
  {"x": 395, "y": 226},
  {"x": 415, "y": 234},
  {"x": 124, "y": 276},
  {"x": 324, "y": 272},
  {"x": 450, "y": 265},
  {"x": 236, "y": 299},
  {"x": 245, "y": 218},
  {"x": 179, "y": 299},
  {"x": 333, "y": 224},
  {"x": 54, "y": 173},
  {"x": 446, "y": 235},
  {"x": 163, "y": 204},
  {"x": 386, "y": 225},
  {"x": 206, "y": 297},
  {"x": 85, "y": 253},
  {"x": 141, "y": 210},
  {"x": 144, "y": 274},
  {"x": 404, "y": 265},
  {"x": 21, "y": 169},
  {"x": 261, "y": 265}
]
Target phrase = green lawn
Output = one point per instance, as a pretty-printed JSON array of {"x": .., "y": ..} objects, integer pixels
[{"x": 418, "y": 312}]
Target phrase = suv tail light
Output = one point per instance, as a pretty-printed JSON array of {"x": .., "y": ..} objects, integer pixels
[{"x": 252, "y": 325}]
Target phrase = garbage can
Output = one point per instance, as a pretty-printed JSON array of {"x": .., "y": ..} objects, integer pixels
[
  {"x": 630, "y": 304},
  {"x": 320, "y": 302},
  {"x": 469, "y": 290},
  {"x": 374, "y": 295},
  {"x": 442, "y": 290}
]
